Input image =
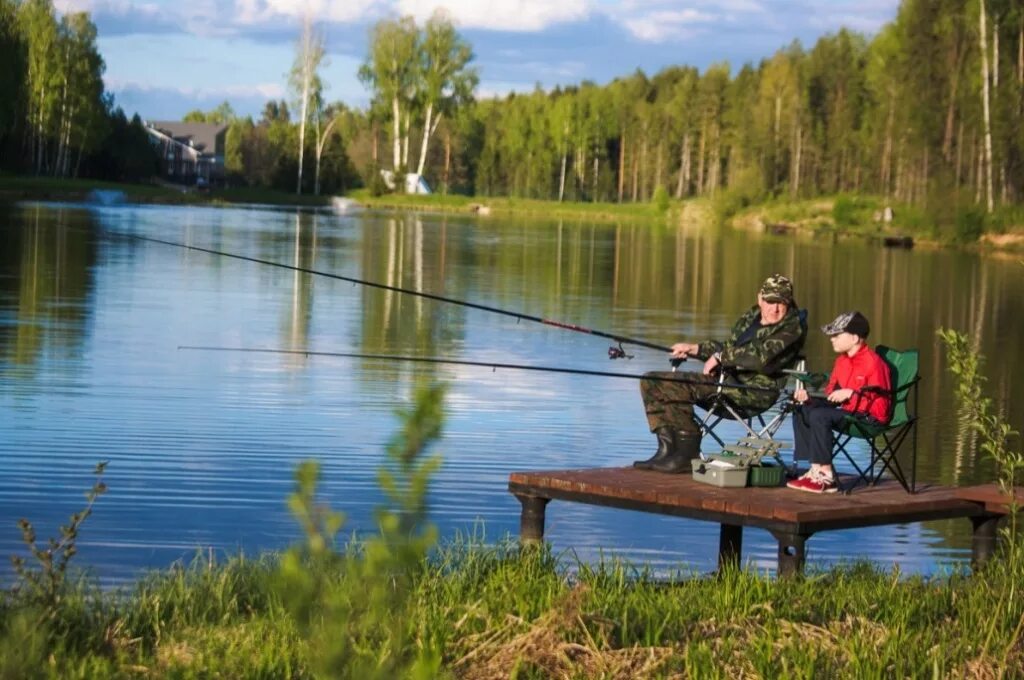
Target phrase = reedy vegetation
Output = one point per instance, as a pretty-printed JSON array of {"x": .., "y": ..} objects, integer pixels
[{"x": 393, "y": 607}]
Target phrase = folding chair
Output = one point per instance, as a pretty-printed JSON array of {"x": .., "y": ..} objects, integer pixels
[
  {"x": 885, "y": 440},
  {"x": 756, "y": 422},
  {"x": 759, "y": 428}
]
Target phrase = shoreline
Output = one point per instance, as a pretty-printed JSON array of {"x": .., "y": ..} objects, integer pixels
[{"x": 809, "y": 217}]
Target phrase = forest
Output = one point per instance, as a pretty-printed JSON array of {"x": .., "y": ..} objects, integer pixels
[{"x": 927, "y": 112}]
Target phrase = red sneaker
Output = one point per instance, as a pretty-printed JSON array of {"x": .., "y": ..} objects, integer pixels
[{"x": 814, "y": 484}]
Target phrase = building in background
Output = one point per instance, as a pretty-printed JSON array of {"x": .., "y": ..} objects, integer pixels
[{"x": 191, "y": 154}]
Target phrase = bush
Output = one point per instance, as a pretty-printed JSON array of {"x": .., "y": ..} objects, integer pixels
[
  {"x": 969, "y": 225},
  {"x": 374, "y": 181},
  {"x": 844, "y": 211},
  {"x": 660, "y": 198}
]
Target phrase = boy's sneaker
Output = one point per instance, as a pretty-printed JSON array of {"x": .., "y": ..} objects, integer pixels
[{"x": 814, "y": 484}]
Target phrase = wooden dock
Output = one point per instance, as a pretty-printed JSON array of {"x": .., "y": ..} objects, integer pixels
[{"x": 792, "y": 517}]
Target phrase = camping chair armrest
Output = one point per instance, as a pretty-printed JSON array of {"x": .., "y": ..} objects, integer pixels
[{"x": 813, "y": 379}]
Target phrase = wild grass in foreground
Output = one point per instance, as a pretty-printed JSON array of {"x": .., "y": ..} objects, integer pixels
[{"x": 495, "y": 612}]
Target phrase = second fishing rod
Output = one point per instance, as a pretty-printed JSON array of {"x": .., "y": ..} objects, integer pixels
[{"x": 614, "y": 352}]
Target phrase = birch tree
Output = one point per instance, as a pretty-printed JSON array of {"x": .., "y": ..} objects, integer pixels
[
  {"x": 12, "y": 76},
  {"x": 36, "y": 18},
  {"x": 305, "y": 80},
  {"x": 987, "y": 132},
  {"x": 327, "y": 119},
  {"x": 81, "y": 91},
  {"x": 446, "y": 79},
  {"x": 391, "y": 70}
]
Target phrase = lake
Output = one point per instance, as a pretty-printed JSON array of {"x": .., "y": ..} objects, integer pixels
[{"x": 202, "y": 446}]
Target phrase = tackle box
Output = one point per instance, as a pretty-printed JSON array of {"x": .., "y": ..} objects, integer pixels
[
  {"x": 766, "y": 475},
  {"x": 726, "y": 477}
]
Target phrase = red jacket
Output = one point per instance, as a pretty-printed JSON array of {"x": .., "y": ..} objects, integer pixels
[{"x": 863, "y": 369}]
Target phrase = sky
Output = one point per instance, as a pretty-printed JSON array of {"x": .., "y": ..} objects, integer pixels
[{"x": 167, "y": 57}]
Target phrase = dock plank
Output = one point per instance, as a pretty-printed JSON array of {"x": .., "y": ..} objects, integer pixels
[
  {"x": 769, "y": 507},
  {"x": 991, "y": 496}
]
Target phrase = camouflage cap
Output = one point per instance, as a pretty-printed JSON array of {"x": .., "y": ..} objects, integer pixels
[
  {"x": 777, "y": 288},
  {"x": 848, "y": 322}
]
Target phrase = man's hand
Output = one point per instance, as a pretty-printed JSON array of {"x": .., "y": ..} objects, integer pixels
[
  {"x": 711, "y": 365},
  {"x": 681, "y": 350},
  {"x": 839, "y": 396},
  {"x": 800, "y": 396}
]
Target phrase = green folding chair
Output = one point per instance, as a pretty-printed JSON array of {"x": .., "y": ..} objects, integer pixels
[{"x": 885, "y": 440}]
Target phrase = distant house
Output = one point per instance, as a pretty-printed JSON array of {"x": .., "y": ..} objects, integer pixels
[{"x": 190, "y": 153}]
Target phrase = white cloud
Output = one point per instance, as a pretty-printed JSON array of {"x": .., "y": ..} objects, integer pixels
[
  {"x": 661, "y": 25},
  {"x": 253, "y": 12},
  {"x": 500, "y": 15},
  {"x": 123, "y": 16},
  {"x": 264, "y": 90}
]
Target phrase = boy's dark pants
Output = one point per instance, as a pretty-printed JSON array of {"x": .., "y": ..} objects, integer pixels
[{"x": 813, "y": 423}]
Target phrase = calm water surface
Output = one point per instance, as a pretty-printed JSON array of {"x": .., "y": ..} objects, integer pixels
[{"x": 202, "y": 446}]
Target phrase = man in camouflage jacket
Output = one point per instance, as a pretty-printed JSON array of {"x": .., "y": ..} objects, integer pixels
[{"x": 765, "y": 340}]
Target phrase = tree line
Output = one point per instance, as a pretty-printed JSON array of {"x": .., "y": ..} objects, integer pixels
[
  {"x": 932, "y": 107},
  {"x": 928, "y": 111},
  {"x": 55, "y": 117}
]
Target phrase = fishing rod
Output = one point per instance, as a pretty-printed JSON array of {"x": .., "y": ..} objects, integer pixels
[
  {"x": 613, "y": 352},
  {"x": 485, "y": 364}
]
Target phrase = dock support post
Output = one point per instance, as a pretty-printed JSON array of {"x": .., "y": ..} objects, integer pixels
[
  {"x": 791, "y": 552},
  {"x": 730, "y": 545},
  {"x": 983, "y": 539},
  {"x": 531, "y": 520}
]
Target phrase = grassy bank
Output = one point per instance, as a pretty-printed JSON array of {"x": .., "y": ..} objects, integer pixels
[
  {"x": 841, "y": 216},
  {"x": 50, "y": 189},
  {"x": 863, "y": 216},
  {"x": 518, "y": 206},
  {"x": 496, "y": 612}
]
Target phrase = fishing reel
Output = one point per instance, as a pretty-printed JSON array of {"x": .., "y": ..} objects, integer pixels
[{"x": 618, "y": 352}]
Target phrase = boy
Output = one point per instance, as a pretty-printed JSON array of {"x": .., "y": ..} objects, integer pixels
[{"x": 857, "y": 370}]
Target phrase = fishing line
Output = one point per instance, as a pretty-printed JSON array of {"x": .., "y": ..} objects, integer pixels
[
  {"x": 484, "y": 364},
  {"x": 613, "y": 352}
]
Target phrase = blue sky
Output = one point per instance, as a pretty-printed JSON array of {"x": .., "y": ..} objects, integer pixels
[{"x": 167, "y": 57}]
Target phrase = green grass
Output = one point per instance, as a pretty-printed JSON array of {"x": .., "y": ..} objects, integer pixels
[
  {"x": 487, "y": 610},
  {"x": 518, "y": 206},
  {"x": 854, "y": 215},
  {"x": 48, "y": 188}
]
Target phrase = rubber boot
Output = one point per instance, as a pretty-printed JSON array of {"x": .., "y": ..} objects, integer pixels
[
  {"x": 666, "y": 447},
  {"x": 685, "y": 451}
]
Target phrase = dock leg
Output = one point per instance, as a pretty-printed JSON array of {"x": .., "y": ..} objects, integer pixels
[
  {"x": 983, "y": 539},
  {"x": 531, "y": 520},
  {"x": 730, "y": 544},
  {"x": 791, "y": 553}
]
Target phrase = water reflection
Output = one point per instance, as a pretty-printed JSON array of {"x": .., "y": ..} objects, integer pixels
[
  {"x": 202, "y": 446},
  {"x": 46, "y": 275}
]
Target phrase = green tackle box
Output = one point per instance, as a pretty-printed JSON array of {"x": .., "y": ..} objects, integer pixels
[{"x": 766, "y": 475}]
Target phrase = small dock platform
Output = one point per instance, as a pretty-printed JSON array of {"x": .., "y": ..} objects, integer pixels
[{"x": 791, "y": 517}]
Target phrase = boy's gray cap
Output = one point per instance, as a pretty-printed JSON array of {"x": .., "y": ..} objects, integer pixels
[{"x": 848, "y": 322}]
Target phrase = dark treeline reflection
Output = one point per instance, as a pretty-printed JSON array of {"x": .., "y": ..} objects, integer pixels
[{"x": 46, "y": 263}]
